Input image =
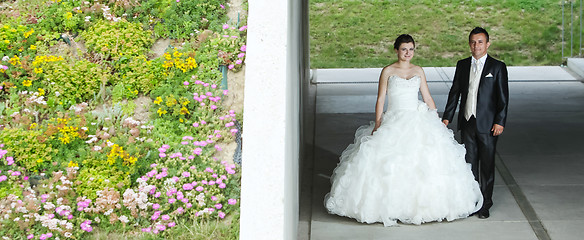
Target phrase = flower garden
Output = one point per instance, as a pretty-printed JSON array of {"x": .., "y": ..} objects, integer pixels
[{"x": 102, "y": 137}]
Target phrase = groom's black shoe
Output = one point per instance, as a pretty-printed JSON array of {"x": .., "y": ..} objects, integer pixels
[{"x": 483, "y": 214}]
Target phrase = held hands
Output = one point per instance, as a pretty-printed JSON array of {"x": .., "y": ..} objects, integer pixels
[
  {"x": 375, "y": 128},
  {"x": 446, "y": 122},
  {"x": 497, "y": 129}
]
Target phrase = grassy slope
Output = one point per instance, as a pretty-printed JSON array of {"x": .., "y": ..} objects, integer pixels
[{"x": 350, "y": 33}]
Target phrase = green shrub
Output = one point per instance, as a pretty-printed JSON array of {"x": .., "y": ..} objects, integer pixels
[
  {"x": 117, "y": 39},
  {"x": 28, "y": 148}
]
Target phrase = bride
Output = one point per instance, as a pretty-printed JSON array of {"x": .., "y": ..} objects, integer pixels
[{"x": 406, "y": 165}]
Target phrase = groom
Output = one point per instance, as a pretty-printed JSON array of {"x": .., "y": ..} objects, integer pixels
[{"x": 480, "y": 82}]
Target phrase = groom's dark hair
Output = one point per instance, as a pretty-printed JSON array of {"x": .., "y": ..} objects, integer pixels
[
  {"x": 478, "y": 30},
  {"x": 404, "y": 38}
]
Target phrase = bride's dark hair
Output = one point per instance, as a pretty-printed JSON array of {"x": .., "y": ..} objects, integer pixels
[{"x": 404, "y": 38}]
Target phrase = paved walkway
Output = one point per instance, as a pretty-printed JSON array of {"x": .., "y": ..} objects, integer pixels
[{"x": 539, "y": 187}]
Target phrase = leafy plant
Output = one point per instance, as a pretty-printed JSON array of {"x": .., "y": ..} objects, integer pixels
[
  {"x": 28, "y": 148},
  {"x": 117, "y": 39}
]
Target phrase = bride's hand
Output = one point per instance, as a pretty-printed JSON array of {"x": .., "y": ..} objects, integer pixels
[{"x": 374, "y": 129}]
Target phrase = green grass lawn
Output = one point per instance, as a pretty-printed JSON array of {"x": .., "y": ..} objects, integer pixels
[{"x": 354, "y": 34}]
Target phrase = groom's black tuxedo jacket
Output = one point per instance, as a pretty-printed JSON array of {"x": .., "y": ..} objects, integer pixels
[{"x": 492, "y": 98}]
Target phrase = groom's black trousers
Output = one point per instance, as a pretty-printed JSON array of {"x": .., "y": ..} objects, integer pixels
[{"x": 480, "y": 153}]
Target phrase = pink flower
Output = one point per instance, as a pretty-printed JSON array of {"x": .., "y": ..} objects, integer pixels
[
  {"x": 3, "y": 178},
  {"x": 171, "y": 224},
  {"x": 233, "y": 130},
  {"x": 195, "y": 124},
  {"x": 213, "y": 198},
  {"x": 221, "y": 215},
  {"x": 199, "y": 189},
  {"x": 162, "y": 155},
  {"x": 186, "y": 83},
  {"x": 213, "y": 86},
  {"x": 198, "y": 151},
  {"x": 231, "y": 66},
  {"x": 154, "y": 217},
  {"x": 218, "y": 206},
  {"x": 225, "y": 26},
  {"x": 186, "y": 174},
  {"x": 222, "y": 185},
  {"x": 240, "y": 55},
  {"x": 203, "y": 122},
  {"x": 157, "y": 195},
  {"x": 153, "y": 165},
  {"x": 171, "y": 200},
  {"x": 221, "y": 5},
  {"x": 165, "y": 217},
  {"x": 30, "y": 236},
  {"x": 155, "y": 206},
  {"x": 187, "y": 186},
  {"x": 218, "y": 147},
  {"x": 209, "y": 170},
  {"x": 243, "y": 28},
  {"x": 243, "y": 48},
  {"x": 225, "y": 92},
  {"x": 238, "y": 61},
  {"x": 213, "y": 107},
  {"x": 189, "y": 205},
  {"x": 161, "y": 227},
  {"x": 148, "y": 229},
  {"x": 231, "y": 201}
]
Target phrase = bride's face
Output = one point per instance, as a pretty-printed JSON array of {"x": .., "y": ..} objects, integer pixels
[{"x": 405, "y": 52}]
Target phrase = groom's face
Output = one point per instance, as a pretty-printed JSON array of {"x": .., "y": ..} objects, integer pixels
[{"x": 478, "y": 45}]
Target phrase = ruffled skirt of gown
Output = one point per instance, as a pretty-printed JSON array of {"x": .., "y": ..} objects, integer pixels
[{"x": 411, "y": 169}]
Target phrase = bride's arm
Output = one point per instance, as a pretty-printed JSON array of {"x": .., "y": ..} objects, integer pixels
[
  {"x": 381, "y": 92},
  {"x": 426, "y": 91}
]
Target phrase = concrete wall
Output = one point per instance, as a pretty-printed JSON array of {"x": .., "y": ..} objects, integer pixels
[{"x": 275, "y": 67}]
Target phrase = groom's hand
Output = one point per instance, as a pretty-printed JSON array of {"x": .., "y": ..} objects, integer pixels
[
  {"x": 446, "y": 122},
  {"x": 497, "y": 129}
]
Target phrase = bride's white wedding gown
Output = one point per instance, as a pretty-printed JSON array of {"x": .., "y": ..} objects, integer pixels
[{"x": 411, "y": 169}]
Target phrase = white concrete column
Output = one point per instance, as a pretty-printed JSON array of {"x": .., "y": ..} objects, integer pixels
[{"x": 269, "y": 194}]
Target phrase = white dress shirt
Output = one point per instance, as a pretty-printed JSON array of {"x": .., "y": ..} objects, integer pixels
[{"x": 473, "y": 86}]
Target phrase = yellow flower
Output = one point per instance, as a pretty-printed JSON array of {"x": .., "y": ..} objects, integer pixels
[
  {"x": 181, "y": 120},
  {"x": 72, "y": 164},
  {"x": 15, "y": 60},
  {"x": 184, "y": 111},
  {"x": 68, "y": 15},
  {"x": 7, "y": 41},
  {"x": 160, "y": 111},
  {"x": 32, "y": 47},
  {"x": 167, "y": 56},
  {"x": 27, "y": 83},
  {"x": 27, "y": 34},
  {"x": 191, "y": 63},
  {"x": 39, "y": 161},
  {"x": 158, "y": 100},
  {"x": 33, "y": 125},
  {"x": 38, "y": 70},
  {"x": 176, "y": 54},
  {"x": 41, "y": 92}
]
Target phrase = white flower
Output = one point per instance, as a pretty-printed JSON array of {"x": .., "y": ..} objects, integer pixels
[
  {"x": 97, "y": 220},
  {"x": 108, "y": 212},
  {"x": 84, "y": 128},
  {"x": 57, "y": 93},
  {"x": 96, "y": 148},
  {"x": 123, "y": 219},
  {"x": 109, "y": 144},
  {"x": 6, "y": 58},
  {"x": 68, "y": 235},
  {"x": 87, "y": 18},
  {"x": 93, "y": 124}
]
